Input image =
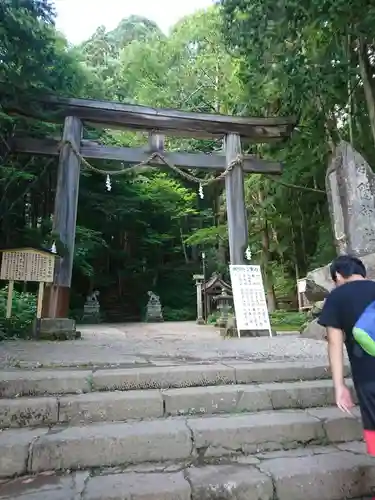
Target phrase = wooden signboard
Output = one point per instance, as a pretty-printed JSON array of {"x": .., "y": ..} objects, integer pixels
[
  {"x": 27, "y": 264},
  {"x": 303, "y": 302},
  {"x": 249, "y": 299}
]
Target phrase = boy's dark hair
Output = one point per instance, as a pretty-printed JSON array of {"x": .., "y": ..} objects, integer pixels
[{"x": 346, "y": 265}]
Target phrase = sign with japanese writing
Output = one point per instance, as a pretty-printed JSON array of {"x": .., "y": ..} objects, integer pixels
[
  {"x": 301, "y": 285},
  {"x": 249, "y": 298},
  {"x": 27, "y": 264}
]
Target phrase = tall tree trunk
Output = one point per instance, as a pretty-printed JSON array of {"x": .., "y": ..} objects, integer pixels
[
  {"x": 350, "y": 111},
  {"x": 330, "y": 125},
  {"x": 366, "y": 75},
  {"x": 183, "y": 246},
  {"x": 303, "y": 241},
  {"x": 265, "y": 259},
  {"x": 350, "y": 89},
  {"x": 268, "y": 278},
  {"x": 357, "y": 121},
  {"x": 222, "y": 245},
  {"x": 275, "y": 238},
  {"x": 296, "y": 266}
]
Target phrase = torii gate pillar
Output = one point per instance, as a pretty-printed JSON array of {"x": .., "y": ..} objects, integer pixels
[
  {"x": 56, "y": 304},
  {"x": 236, "y": 208}
]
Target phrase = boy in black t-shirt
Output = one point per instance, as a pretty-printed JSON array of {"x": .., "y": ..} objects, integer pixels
[{"x": 342, "y": 308}]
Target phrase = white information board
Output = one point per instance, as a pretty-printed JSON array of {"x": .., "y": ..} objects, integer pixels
[
  {"x": 301, "y": 285},
  {"x": 249, "y": 298}
]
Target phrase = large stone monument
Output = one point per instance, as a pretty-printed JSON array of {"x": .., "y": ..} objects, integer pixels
[
  {"x": 319, "y": 282},
  {"x": 153, "y": 311},
  {"x": 350, "y": 185}
]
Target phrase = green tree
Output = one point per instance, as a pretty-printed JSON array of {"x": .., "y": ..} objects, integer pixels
[
  {"x": 35, "y": 60},
  {"x": 302, "y": 59}
]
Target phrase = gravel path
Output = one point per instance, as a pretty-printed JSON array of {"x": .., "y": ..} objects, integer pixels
[{"x": 156, "y": 344}]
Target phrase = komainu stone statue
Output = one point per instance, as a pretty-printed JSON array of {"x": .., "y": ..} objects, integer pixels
[
  {"x": 91, "y": 309},
  {"x": 153, "y": 310}
]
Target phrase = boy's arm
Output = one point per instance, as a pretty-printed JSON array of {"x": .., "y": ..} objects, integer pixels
[
  {"x": 330, "y": 318},
  {"x": 335, "y": 338},
  {"x": 343, "y": 395}
]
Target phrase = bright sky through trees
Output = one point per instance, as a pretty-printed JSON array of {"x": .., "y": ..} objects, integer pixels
[{"x": 78, "y": 19}]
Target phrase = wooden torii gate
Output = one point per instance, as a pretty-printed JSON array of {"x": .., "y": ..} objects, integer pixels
[{"x": 158, "y": 122}]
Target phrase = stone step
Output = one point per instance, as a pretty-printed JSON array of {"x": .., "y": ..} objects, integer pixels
[
  {"x": 126, "y": 405},
  {"x": 329, "y": 473},
  {"x": 176, "y": 438},
  {"x": 51, "y": 382}
]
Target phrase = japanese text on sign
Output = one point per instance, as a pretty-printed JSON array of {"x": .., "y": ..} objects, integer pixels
[
  {"x": 27, "y": 265},
  {"x": 249, "y": 298}
]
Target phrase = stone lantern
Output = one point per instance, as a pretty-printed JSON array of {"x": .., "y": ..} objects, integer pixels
[{"x": 224, "y": 305}]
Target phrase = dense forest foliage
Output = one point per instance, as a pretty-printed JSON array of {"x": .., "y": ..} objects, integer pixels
[{"x": 258, "y": 57}]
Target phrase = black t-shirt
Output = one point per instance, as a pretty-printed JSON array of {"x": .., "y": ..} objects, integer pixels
[{"x": 342, "y": 308}]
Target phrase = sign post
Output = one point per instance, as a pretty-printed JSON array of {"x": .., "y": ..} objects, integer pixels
[
  {"x": 249, "y": 299},
  {"x": 27, "y": 264}
]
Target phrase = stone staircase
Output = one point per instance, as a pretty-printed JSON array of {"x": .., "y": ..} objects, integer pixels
[
  {"x": 256, "y": 431},
  {"x": 119, "y": 309}
]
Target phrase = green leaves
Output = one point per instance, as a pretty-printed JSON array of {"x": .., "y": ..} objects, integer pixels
[
  {"x": 23, "y": 314},
  {"x": 208, "y": 236},
  {"x": 298, "y": 58}
]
